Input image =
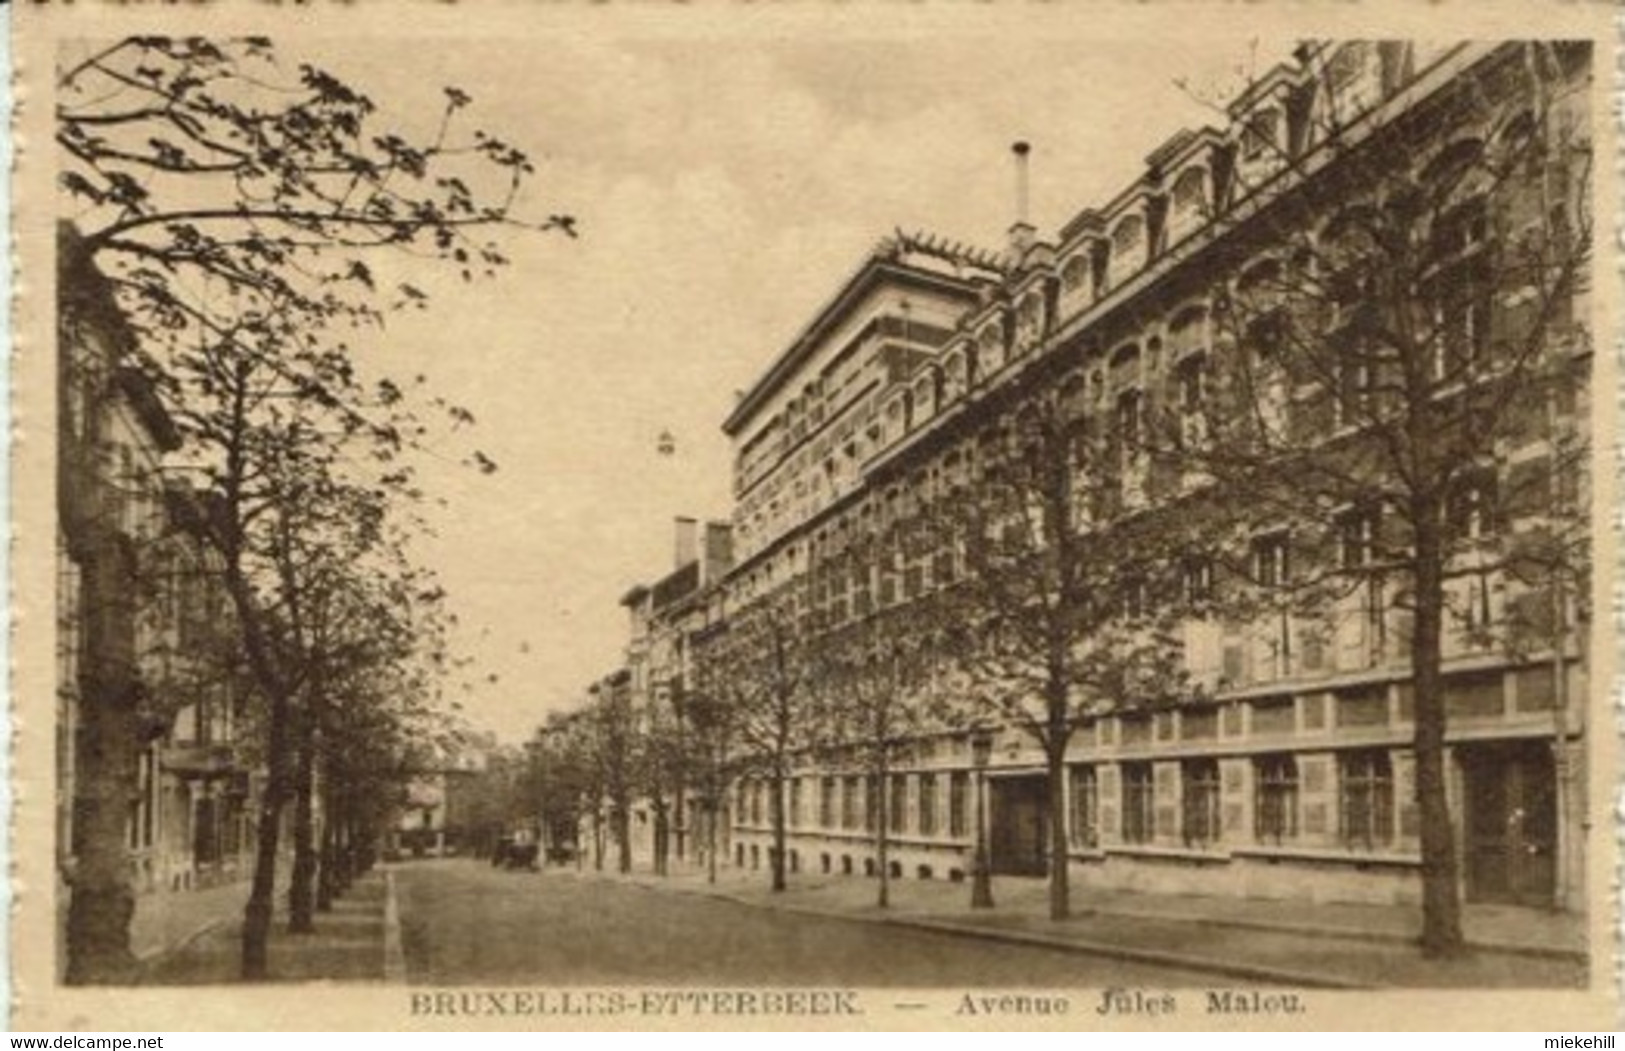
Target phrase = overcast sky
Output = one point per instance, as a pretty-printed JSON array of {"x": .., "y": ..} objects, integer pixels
[{"x": 724, "y": 187}]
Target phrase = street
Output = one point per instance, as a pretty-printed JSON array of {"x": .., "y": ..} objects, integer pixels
[{"x": 463, "y": 922}]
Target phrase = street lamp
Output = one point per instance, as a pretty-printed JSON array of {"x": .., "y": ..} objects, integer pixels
[{"x": 981, "y": 890}]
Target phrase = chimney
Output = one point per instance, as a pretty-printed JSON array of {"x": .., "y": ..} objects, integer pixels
[
  {"x": 1022, "y": 231},
  {"x": 688, "y": 541}
]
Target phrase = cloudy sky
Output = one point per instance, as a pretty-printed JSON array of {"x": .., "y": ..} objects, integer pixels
[{"x": 725, "y": 183}]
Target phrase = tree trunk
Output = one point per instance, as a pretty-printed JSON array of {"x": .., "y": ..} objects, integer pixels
[
  {"x": 623, "y": 836},
  {"x": 257, "y": 914},
  {"x": 103, "y": 896},
  {"x": 1060, "y": 891},
  {"x": 711, "y": 818},
  {"x": 327, "y": 859},
  {"x": 780, "y": 836},
  {"x": 662, "y": 835},
  {"x": 883, "y": 830},
  {"x": 1441, "y": 901},
  {"x": 680, "y": 808},
  {"x": 302, "y": 884},
  {"x": 349, "y": 861}
]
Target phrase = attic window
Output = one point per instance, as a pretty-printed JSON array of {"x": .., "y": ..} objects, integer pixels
[{"x": 1260, "y": 134}]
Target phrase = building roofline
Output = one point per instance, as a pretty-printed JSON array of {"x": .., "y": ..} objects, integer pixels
[{"x": 868, "y": 276}]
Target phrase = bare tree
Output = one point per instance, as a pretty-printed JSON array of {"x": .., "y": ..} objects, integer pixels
[
  {"x": 1062, "y": 607},
  {"x": 762, "y": 678},
  {"x": 869, "y": 676}
]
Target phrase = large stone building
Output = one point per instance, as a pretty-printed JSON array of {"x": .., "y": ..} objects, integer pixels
[{"x": 1290, "y": 770}]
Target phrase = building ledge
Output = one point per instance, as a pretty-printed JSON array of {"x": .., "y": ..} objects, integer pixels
[
  {"x": 1149, "y": 850},
  {"x": 1347, "y": 857}
]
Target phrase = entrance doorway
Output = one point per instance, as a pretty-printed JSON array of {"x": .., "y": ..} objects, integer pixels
[
  {"x": 1019, "y": 825},
  {"x": 1511, "y": 822}
]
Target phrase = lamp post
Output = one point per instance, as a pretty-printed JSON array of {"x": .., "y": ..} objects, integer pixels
[{"x": 981, "y": 890}]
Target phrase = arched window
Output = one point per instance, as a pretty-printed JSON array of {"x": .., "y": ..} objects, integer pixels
[
  {"x": 955, "y": 377},
  {"x": 1190, "y": 207},
  {"x": 990, "y": 349},
  {"x": 1029, "y": 321},
  {"x": 1128, "y": 248},
  {"x": 1075, "y": 273},
  {"x": 925, "y": 401}
]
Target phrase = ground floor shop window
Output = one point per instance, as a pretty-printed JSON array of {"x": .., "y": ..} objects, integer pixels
[
  {"x": 1200, "y": 801},
  {"x": 1139, "y": 803},
  {"x": 1366, "y": 798},
  {"x": 1276, "y": 812},
  {"x": 1085, "y": 807}
]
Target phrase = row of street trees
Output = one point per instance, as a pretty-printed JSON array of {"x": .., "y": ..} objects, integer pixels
[{"x": 243, "y": 212}]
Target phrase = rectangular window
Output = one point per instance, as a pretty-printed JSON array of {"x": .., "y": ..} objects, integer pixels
[
  {"x": 1139, "y": 803},
  {"x": 1191, "y": 376},
  {"x": 795, "y": 802},
  {"x": 1366, "y": 798},
  {"x": 1357, "y": 538},
  {"x": 1197, "y": 573},
  {"x": 1276, "y": 811},
  {"x": 1128, "y": 423},
  {"x": 871, "y": 803},
  {"x": 826, "y": 803},
  {"x": 1271, "y": 560},
  {"x": 928, "y": 805},
  {"x": 849, "y": 804},
  {"x": 1085, "y": 808},
  {"x": 959, "y": 804},
  {"x": 897, "y": 805},
  {"x": 1471, "y": 506},
  {"x": 1199, "y": 779},
  {"x": 1355, "y": 381}
]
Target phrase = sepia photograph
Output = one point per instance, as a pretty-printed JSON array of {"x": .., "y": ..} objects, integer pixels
[{"x": 922, "y": 518}]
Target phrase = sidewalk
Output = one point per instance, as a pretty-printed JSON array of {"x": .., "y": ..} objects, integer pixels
[
  {"x": 1272, "y": 942},
  {"x": 348, "y": 944}
]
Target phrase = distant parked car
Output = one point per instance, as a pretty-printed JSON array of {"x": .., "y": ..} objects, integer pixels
[{"x": 513, "y": 852}]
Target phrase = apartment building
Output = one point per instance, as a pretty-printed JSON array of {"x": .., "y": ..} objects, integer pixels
[{"x": 143, "y": 621}]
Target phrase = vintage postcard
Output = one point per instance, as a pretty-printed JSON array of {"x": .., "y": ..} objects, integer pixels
[{"x": 815, "y": 517}]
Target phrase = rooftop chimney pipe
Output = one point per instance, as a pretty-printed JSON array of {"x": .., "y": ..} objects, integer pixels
[
  {"x": 1021, "y": 150},
  {"x": 1021, "y": 231}
]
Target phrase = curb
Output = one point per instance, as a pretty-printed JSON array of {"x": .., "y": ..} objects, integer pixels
[
  {"x": 155, "y": 952},
  {"x": 1340, "y": 932},
  {"x": 1361, "y": 934},
  {"x": 1107, "y": 950}
]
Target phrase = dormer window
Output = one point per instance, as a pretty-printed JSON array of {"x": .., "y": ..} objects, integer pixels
[
  {"x": 1075, "y": 274},
  {"x": 1189, "y": 204}
]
